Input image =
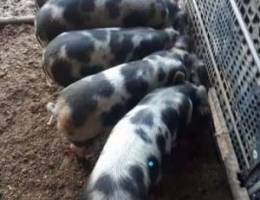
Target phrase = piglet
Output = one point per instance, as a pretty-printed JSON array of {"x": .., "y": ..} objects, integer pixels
[
  {"x": 92, "y": 105},
  {"x": 58, "y": 16},
  {"x": 134, "y": 155},
  {"x": 76, "y": 54}
]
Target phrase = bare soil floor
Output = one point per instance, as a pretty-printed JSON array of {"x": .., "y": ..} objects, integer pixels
[
  {"x": 34, "y": 159},
  {"x": 10, "y": 8}
]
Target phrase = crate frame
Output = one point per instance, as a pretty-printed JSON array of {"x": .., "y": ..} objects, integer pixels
[{"x": 225, "y": 37}]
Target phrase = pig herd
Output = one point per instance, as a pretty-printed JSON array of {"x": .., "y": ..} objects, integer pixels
[{"x": 127, "y": 69}]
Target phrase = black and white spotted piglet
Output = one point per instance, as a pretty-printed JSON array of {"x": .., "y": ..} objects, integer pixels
[
  {"x": 94, "y": 104},
  {"x": 76, "y": 54},
  {"x": 58, "y": 16},
  {"x": 134, "y": 154}
]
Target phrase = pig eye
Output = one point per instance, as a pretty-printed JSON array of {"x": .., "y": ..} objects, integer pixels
[
  {"x": 153, "y": 168},
  {"x": 151, "y": 164}
]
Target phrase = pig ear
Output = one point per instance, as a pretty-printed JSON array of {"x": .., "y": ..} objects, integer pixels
[
  {"x": 198, "y": 69},
  {"x": 190, "y": 111},
  {"x": 189, "y": 59},
  {"x": 203, "y": 106},
  {"x": 179, "y": 77},
  {"x": 181, "y": 22}
]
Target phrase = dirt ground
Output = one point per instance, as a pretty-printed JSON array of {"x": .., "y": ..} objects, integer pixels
[
  {"x": 34, "y": 160},
  {"x": 16, "y": 8}
]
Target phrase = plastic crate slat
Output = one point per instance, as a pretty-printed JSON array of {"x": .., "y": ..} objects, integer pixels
[
  {"x": 220, "y": 82},
  {"x": 246, "y": 33}
]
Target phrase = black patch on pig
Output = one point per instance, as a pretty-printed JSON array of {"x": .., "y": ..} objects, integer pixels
[
  {"x": 73, "y": 15},
  {"x": 143, "y": 135},
  {"x": 134, "y": 184},
  {"x": 137, "y": 174},
  {"x": 163, "y": 13},
  {"x": 161, "y": 144},
  {"x": 103, "y": 87},
  {"x": 86, "y": 70},
  {"x": 113, "y": 8},
  {"x": 48, "y": 28},
  {"x": 61, "y": 71},
  {"x": 128, "y": 185},
  {"x": 148, "y": 46},
  {"x": 132, "y": 101},
  {"x": 113, "y": 115},
  {"x": 79, "y": 47},
  {"x": 170, "y": 118},
  {"x": 119, "y": 48},
  {"x": 135, "y": 18},
  {"x": 81, "y": 97},
  {"x": 161, "y": 75},
  {"x": 160, "y": 130},
  {"x": 143, "y": 117},
  {"x": 106, "y": 185},
  {"x": 134, "y": 82}
]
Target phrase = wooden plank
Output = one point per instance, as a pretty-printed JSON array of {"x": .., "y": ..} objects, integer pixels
[
  {"x": 17, "y": 20},
  {"x": 226, "y": 148}
]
